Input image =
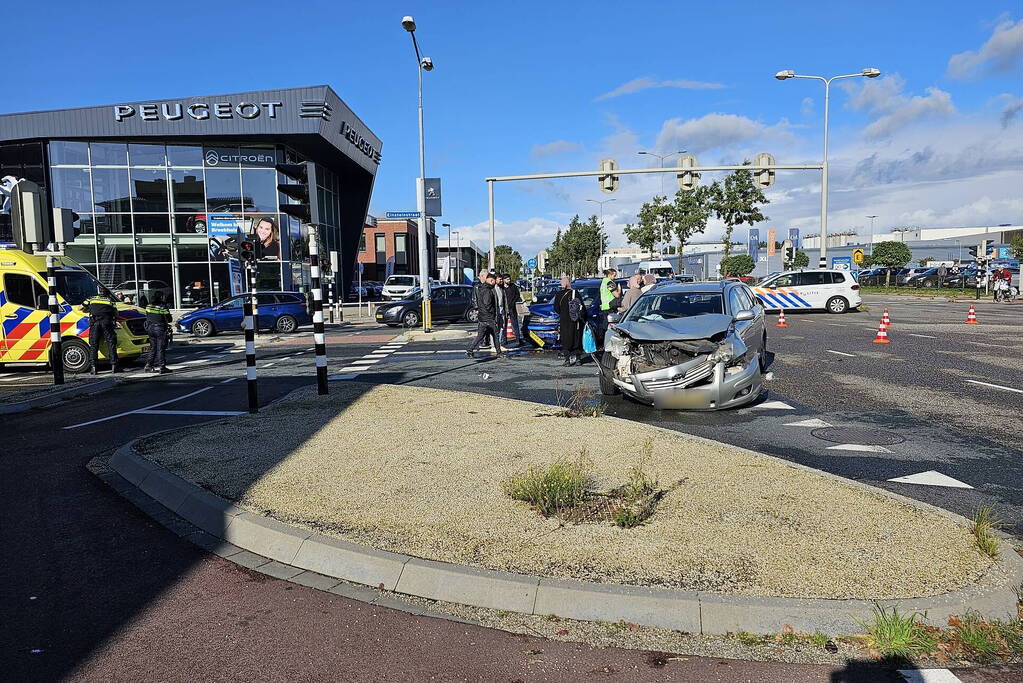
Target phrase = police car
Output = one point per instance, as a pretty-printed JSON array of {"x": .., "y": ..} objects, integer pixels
[{"x": 834, "y": 291}]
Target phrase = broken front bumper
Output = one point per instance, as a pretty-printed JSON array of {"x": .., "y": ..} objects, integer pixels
[{"x": 702, "y": 386}]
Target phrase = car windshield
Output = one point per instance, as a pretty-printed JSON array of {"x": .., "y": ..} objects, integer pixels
[
  {"x": 589, "y": 294},
  {"x": 399, "y": 281},
  {"x": 75, "y": 286},
  {"x": 548, "y": 291},
  {"x": 654, "y": 306}
]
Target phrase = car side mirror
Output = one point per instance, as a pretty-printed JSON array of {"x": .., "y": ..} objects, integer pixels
[
  {"x": 43, "y": 302},
  {"x": 743, "y": 316},
  {"x": 613, "y": 317},
  {"x": 772, "y": 286}
]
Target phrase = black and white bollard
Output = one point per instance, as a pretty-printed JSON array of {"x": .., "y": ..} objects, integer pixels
[
  {"x": 250, "y": 355},
  {"x": 56, "y": 355},
  {"x": 317, "y": 292},
  {"x": 252, "y": 289}
]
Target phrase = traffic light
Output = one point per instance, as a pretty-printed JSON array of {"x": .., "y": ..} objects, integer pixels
[
  {"x": 790, "y": 254},
  {"x": 979, "y": 252},
  {"x": 302, "y": 191},
  {"x": 687, "y": 180},
  {"x": 247, "y": 250},
  {"x": 29, "y": 222},
  {"x": 608, "y": 183},
  {"x": 64, "y": 229},
  {"x": 764, "y": 176}
]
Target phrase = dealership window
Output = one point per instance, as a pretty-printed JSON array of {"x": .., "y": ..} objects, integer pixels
[
  {"x": 117, "y": 262},
  {"x": 81, "y": 251},
  {"x": 151, "y": 223},
  {"x": 223, "y": 190},
  {"x": 153, "y": 248},
  {"x": 194, "y": 285},
  {"x": 192, "y": 249},
  {"x": 187, "y": 190},
  {"x": 113, "y": 223},
  {"x": 147, "y": 155},
  {"x": 71, "y": 189},
  {"x": 220, "y": 157},
  {"x": 156, "y": 277},
  {"x": 63, "y": 153},
  {"x": 259, "y": 190},
  {"x": 149, "y": 191},
  {"x": 109, "y": 153},
  {"x": 190, "y": 223},
  {"x": 184, "y": 155},
  {"x": 110, "y": 190}
]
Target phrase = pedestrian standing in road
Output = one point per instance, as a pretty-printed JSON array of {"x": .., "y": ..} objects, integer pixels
[
  {"x": 512, "y": 297},
  {"x": 610, "y": 293},
  {"x": 486, "y": 307},
  {"x": 649, "y": 280},
  {"x": 158, "y": 320},
  {"x": 633, "y": 293},
  {"x": 502, "y": 308},
  {"x": 571, "y": 317},
  {"x": 102, "y": 310}
]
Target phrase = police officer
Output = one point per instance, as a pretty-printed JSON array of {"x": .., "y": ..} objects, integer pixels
[
  {"x": 158, "y": 320},
  {"x": 102, "y": 310}
]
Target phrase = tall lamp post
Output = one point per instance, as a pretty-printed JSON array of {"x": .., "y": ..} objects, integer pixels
[
  {"x": 660, "y": 159},
  {"x": 869, "y": 72},
  {"x": 602, "y": 202},
  {"x": 458, "y": 246},
  {"x": 871, "y": 233},
  {"x": 422, "y": 64},
  {"x": 448, "y": 226}
]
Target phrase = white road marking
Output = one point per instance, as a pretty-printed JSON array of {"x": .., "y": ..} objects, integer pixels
[
  {"x": 863, "y": 448},
  {"x": 13, "y": 378},
  {"x": 929, "y": 676},
  {"x": 269, "y": 365},
  {"x": 415, "y": 353},
  {"x": 190, "y": 412},
  {"x": 995, "y": 386},
  {"x": 450, "y": 351},
  {"x": 191, "y": 362},
  {"x": 773, "y": 405},
  {"x": 841, "y": 353},
  {"x": 932, "y": 478},
  {"x": 129, "y": 412},
  {"x": 925, "y": 336},
  {"x": 365, "y": 361},
  {"x": 812, "y": 422},
  {"x": 376, "y": 355},
  {"x": 237, "y": 351},
  {"x": 229, "y": 379}
]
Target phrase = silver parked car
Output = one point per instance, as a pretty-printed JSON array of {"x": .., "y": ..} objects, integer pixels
[{"x": 694, "y": 346}]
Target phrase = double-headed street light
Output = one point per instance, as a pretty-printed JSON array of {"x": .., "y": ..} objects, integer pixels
[
  {"x": 661, "y": 158},
  {"x": 602, "y": 202},
  {"x": 869, "y": 72},
  {"x": 423, "y": 64}
]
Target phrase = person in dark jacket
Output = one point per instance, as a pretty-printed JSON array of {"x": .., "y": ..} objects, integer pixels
[
  {"x": 102, "y": 310},
  {"x": 158, "y": 320},
  {"x": 571, "y": 331},
  {"x": 487, "y": 308},
  {"x": 512, "y": 296}
]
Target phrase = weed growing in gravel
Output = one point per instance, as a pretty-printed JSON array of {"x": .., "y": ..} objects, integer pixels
[
  {"x": 985, "y": 522},
  {"x": 559, "y": 486},
  {"x": 899, "y": 637},
  {"x": 968, "y": 638}
]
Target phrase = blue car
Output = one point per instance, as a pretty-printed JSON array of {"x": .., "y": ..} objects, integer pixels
[
  {"x": 542, "y": 322},
  {"x": 279, "y": 311}
]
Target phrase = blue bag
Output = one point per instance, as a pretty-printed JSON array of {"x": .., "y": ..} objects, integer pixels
[{"x": 589, "y": 340}]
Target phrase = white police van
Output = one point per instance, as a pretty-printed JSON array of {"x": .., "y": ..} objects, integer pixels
[{"x": 834, "y": 291}]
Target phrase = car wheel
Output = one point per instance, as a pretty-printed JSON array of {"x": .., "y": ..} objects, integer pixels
[
  {"x": 203, "y": 328},
  {"x": 607, "y": 368},
  {"x": 286, "y": 324},
  {"x": 76, "y": 355},
  {"x": 410, "y": 319},
  {"x": 472, "y": 315},
  {"x": 929, "y": 283},
  {"x": 199, "y": 227},
  {"x": 837, "y": 304}
]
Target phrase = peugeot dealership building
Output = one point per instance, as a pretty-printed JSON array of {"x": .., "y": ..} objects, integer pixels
[{"x": 160, "y": 185}]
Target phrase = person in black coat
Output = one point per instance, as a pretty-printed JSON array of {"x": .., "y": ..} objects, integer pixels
[
  {"x": 571, "y": 331},
  {"x": 487, "y": 310}
]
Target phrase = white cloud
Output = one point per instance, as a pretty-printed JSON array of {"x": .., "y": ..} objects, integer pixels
[
  {"x": 1002, "y": 51},
  {"x": 1013, "y": 107},
  {"x": 554, "y": 148},
  {"x": 806, "y": 108},
  {"x": 893, "y": 110},
  {"x": 646, "y": 83},
  {"x": 712, "y": 131}
]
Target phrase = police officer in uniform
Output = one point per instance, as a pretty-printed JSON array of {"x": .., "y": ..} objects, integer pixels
[
  {"x": 102, "y": 310},
  {"x": 158, "y": 320}
]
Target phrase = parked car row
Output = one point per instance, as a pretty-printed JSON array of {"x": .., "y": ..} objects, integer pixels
[{"x": 921, "y": 277}]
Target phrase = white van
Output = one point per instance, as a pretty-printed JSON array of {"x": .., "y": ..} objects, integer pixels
[
  {"x": 397, "y": 287},
  {"x": 657, "y": 268},
  {"x": 834, "y": 291}
]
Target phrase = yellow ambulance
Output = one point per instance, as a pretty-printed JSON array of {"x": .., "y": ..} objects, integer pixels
[{"x": 25, "y": 317}]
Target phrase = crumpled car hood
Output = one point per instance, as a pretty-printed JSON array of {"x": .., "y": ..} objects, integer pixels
[{"x": 677, "y": 329}]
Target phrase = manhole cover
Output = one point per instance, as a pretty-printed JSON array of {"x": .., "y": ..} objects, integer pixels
[{"x": 864, "y": 437}]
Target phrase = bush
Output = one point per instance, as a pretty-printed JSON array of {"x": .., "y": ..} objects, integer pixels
[
  {"x": 739, "y": 265},
  {"x": 985, "y": 522},
  {"x": 899, "y": 637},
  {"x": 559, "y": 486}
]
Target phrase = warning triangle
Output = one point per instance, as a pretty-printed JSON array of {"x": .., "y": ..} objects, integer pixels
[{"x": 932, "y": 478}]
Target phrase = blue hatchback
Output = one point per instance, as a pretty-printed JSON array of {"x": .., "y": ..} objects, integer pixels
[
  {"x": 542, "y": 325},
  {"x": 279, "y": 311}
]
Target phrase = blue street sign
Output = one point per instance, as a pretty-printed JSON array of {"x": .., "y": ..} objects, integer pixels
[
  {"x": 402, "y": 214},
  {"x": 841, "y": 262},
  {"x": 754, "y": 243},
  {"x": 531, "y": 263}
]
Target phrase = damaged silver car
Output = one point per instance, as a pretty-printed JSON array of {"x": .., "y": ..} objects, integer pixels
[{"x": 698, "y": 346}]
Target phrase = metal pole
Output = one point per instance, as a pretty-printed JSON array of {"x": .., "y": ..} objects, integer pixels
[
  {"x": 824, "y": 180},
  {"x": 321, "y": 347},
  {"x": 490, "y": 190},
  {"x": 250, "y": 354},
  {"x": 252, "y": 290},
  {"x": 56, "y": 356},
  {"x": 424, "y": 258}
]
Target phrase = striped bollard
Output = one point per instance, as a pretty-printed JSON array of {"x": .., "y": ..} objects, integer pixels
[
  {"x": 317, "y": 292},
  {"x": 56, "y": 356},
  {"x": 252, "y": 289},
  {"x": 250, "y": 356}
]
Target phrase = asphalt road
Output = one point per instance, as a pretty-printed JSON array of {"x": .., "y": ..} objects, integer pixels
[{"x": 94, "y": 590}]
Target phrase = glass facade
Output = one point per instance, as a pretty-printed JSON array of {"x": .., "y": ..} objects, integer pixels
[{"x": 153, "y": 215}]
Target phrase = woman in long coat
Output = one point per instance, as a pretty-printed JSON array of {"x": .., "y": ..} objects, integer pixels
[{"x": 571, "y": 331}]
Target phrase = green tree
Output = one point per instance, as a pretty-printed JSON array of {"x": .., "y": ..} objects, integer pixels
[
  {"x": 801, "y": 260},
  {"x": 924, "y": 260},
  {"x": 738, "y": 265},
  {"x": 687, "y": 215},
  {"x": 576, "y": 250},
  {"x": 1017, "y": 247},
  {"x": 649, "y": 227},
  {"x": 891, "y": 255},
  {"x": 735, "y": 202},
  {"x": 868, "y": 261},
  {"x": 507, "y": 260}
]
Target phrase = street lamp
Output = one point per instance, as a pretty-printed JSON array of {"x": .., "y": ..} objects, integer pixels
[
  {"x": 871, "y": 233},
  {"x": 869, "y": 72},
  {"x": 661, "y": 158},
  {"x": 448, "y": 226},
  {"x": 423, "y": 64},
  {"x": 602, "y": 202}
]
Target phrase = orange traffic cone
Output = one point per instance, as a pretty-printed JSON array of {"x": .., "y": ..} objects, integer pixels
[
  {"x": 885, "y": 318},
  {"x": 882, "y": 334},
  {"x": 971, "y": 317},
  {"x": 509, "y": 331},
  {"x": 781, "y": 318}
]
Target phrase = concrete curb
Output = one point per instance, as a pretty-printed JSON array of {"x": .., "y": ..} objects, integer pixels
[
  {"x": 436, "y": 335},
  {"x": 56, "y": 397},
  {"x": 689, "y": 611}
]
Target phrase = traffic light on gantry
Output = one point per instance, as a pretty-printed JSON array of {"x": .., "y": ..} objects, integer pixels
[{"x": 301, "y": 191}]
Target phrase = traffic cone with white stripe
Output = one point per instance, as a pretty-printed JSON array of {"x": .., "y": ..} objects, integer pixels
[
  {"x": 971, "y": 317},
  {"x": 509, "y": 331},
  {"x": 781, "y": 318},
  {"x": 885, "y": 318},
  {"x": 882, "y": 334}
]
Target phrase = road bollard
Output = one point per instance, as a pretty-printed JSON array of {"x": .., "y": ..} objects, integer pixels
[
  {"x": 317, "y": 292},
  {"x": 250, "y": 355}
]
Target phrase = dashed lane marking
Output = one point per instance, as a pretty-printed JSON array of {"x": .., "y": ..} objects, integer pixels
[
  {"x": 269, "y": 365},
  {"x": 812, "y": 422},
  {"x": 841, "y": 353},
  {"x": 863, "y": 448},
  {"x": 995, "y": 386},
  {"x": 932, "y": 478},
  {"x": 229, "y": 379},
  {"x": 924, "y": 336}
]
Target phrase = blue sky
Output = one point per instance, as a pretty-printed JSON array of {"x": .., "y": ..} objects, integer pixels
[{"x": 544, "y": 86}]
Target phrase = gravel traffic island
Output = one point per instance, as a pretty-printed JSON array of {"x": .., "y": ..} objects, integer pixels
[{"x": 426, "y": 472}]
